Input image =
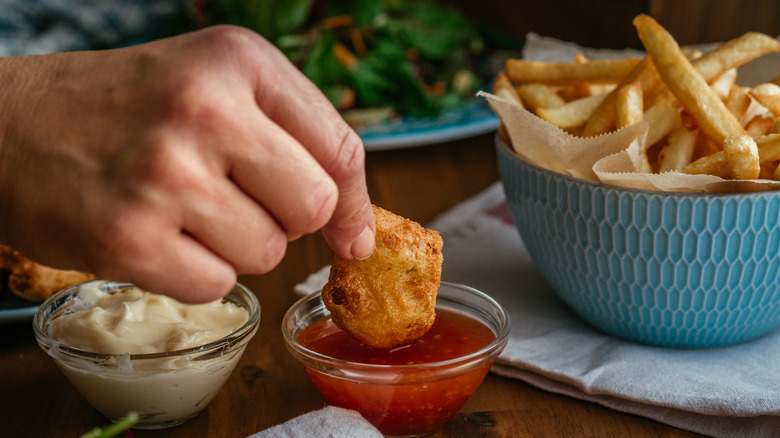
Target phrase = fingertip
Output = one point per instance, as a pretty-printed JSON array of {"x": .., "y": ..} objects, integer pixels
[
  {"x": 363, "y": 246},
  {"x": 352, "y": 235}
]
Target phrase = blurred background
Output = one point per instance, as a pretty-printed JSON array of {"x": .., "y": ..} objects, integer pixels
[
  {"x": 394, "y": 57},
  {"x": 607, "y": 23}
]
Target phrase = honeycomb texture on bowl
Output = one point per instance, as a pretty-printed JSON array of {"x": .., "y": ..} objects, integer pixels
[{"x": 671, "y": 270}]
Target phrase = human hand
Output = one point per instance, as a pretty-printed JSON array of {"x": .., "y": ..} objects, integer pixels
[{"x": 175, "y": 165}]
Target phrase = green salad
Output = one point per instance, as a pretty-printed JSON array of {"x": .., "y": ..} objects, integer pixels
[{"x": 372, "y": 58}]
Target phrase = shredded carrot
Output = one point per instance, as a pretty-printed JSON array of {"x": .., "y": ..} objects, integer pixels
[
  {"x": 344, "y": 56},
  {"x": 336, "y": 21},
  {"x": 356, "y": 36}
]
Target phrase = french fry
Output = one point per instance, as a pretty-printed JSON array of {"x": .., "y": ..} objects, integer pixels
[
  {"x": 738, "y": 102},
  {"x": 768, "y": 147},
  {"x": 713, "y": 164},
  {"x": 571, "y": 114},
  {"x": 629, "y": 109},
  {"x": 734, "y": 53},
  {"x": 760, "y": 125},
  {"x": 502, "y": 87},
  {"x": 565, "y": 73},
  {"x": 678, "y": 152},
  {"x": 722, "y": 85},
  {"x": 730, "y": 55},
  {"x": 768, "y": 95},
  {"x": 686, "y": 83},
  {"x": 536, "y": 96},
  {"x": 586, "y": 89},
  {"x": 629, "y": 106},
  {"x": 741, "y": 154},
  {"x": 661, "y": 119},
  {"x": 603, "y": 118}
]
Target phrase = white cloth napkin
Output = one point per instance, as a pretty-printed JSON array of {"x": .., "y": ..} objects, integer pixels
[
  {"x": 329, "y": 422},
  {"x": 722, "y": 392}
]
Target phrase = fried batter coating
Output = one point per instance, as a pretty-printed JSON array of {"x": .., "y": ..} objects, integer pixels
[
  {"x": 33, "y": 281},
  {"x": 389, "y": 298}
]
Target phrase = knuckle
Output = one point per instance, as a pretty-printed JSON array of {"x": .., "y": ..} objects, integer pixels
[
  {"x": 349, "y": 157},
  {"x": 318, "y": 210},
  {"x": 229, "y": 37},
  {"x": 125, "y": 236},
  {"x": 190, "y": 104},
  {"x": 272, "y": 254}
]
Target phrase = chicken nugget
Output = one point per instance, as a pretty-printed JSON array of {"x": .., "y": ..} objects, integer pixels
[
  {"x": 388, "y": 299},
  {"x": 33, "y": 281}
]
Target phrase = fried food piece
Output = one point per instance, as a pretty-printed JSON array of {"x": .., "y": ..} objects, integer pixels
[
  {"x": 33, "y": 281},
  {"x": 389, "y": 298}
]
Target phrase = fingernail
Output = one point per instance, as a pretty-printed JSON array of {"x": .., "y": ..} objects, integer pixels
[{"x": 363, "y": 246}]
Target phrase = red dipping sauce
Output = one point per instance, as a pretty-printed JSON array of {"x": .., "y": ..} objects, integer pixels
[{"x": 401, "y": 396}]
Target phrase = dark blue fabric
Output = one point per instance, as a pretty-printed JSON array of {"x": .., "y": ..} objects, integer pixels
[{"x": 29, "y": 27}]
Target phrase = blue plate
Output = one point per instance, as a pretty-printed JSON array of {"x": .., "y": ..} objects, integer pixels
[
  {"x": 15, "y": 310},
  {"x": 472, "y": 119}
]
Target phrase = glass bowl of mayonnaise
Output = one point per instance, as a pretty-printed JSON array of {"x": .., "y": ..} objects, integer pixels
[{"x": 128, "y": 350}]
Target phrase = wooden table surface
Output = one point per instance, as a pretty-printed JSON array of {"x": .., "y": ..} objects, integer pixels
[{"x": 268, "y": 387}]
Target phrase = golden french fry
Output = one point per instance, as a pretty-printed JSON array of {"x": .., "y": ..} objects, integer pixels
[
  {"x": 768, "y": 95},
  {"x": 629, "y": 109},
  {"x": 738, "y": 101},
  {"x": 629, "y": 106},
  {"x": 603, "y": 118},
  {"x": 734, "y": 53},
  {"x": 586, "y": 89},
  {"x": 678, "y": 152},
  {"x": 741, "y": 154},
  {"x": 571, "y": 114},
  {"x": 713, "y": 164},
  {"x": 760, "y": 125},
  {"x": 536, "y": 96},
  {"x": 567, "y": 73},
  {"x": 686, "y": 83},
  {"x": 722, "y": 85},
  {"x": 661, "y": 119},
  {"x": 502, "y": 87},
  {"x": 580, "y": 90},
  {"x": 730, "y": 55},
  {"x": 768, "y": 147}
]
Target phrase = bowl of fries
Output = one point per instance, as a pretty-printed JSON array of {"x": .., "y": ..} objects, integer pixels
[{"x": 678, "y": 248}]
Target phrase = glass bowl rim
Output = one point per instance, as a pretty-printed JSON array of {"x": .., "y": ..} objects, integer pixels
[
  {"x": 508, "y": 152},
  {"x": 496, "y": 344},
  {"x": 239, "y": 336}
]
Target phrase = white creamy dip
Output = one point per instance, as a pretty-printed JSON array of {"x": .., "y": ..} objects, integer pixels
[
  {"x": 135, "y": 321},
  {"x": 164, "y": 390}
]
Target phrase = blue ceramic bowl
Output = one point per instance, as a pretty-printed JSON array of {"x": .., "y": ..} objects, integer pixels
[{"x": 667, "y": 269}]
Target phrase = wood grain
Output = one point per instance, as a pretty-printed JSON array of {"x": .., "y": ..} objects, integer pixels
[{"x": 268, "y": 387}]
